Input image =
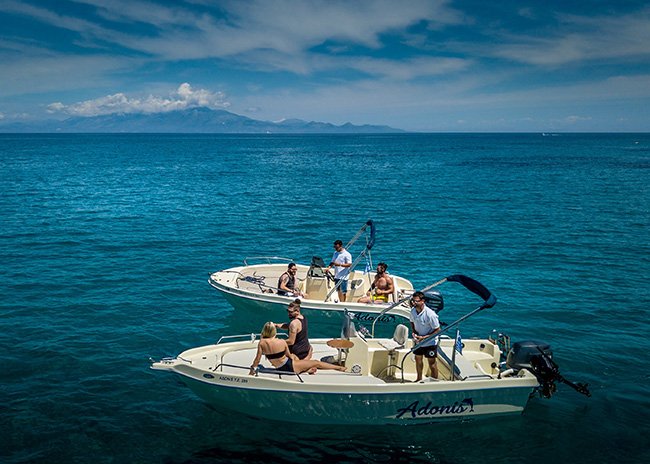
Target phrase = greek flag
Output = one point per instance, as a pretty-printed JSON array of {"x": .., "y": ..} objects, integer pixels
[
  {"x": 459, "y": 343},
  {"x": 367, "y": 270}
]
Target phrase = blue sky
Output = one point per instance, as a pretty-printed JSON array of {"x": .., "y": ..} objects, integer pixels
[{"x": 473, "y": 65}]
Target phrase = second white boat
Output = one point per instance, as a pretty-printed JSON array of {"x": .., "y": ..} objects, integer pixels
[
  {"x": 475, "y": 378},
  {"x": 253, "y": 288}
]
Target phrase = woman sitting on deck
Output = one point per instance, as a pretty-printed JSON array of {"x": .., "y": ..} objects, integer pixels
[{"x": 277, "y": 352}]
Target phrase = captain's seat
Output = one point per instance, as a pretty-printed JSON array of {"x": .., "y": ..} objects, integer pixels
[{"x": 400, "y": 337}]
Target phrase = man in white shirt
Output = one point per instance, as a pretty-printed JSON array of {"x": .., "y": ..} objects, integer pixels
[
  {"x": 424, "y": 324},
  {"x": 341, "y": 261}
]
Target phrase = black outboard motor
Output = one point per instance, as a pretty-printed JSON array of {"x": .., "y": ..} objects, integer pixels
[
  {"x": 433, "y": 299},
  {"x": 528, "y": 355},
  {"x": 521, "y": 353},
  {"x": 537, "y": 358}
]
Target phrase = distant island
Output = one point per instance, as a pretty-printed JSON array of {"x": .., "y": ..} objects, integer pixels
[{"x": 193, "y": 120}]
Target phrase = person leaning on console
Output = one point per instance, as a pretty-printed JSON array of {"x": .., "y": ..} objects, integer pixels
[
  {"x": 382, "y": 287},
  {"x": 298, "y": 340},
  {"x": 277, "y": 352},
  {"x": 287, "y": 285}
]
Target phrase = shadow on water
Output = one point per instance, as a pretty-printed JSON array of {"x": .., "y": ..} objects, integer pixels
[
  {"x": 565, "y": 429},
  {"x": 247, "y": 439}
]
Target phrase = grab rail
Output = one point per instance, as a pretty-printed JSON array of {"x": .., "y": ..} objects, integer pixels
[
  {"x": 252, "y": 337},
  {"x": 270, "y": 370},
  {"x": 268, "y": 259},
  {"x": 229, "y": 365}
]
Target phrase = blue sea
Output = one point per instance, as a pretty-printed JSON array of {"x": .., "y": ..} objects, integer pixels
[{"x": 107, "y": 242}]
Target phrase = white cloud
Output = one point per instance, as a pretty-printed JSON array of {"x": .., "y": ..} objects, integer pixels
[
  {"x": 55, "y": 107},
  {"x": 184, "y": 97},
  {"x": 576, "y": 119}
]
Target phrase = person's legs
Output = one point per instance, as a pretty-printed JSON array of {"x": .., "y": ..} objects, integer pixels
[
  {"x": 305, "y": 365},
  {"x": 432, "y": 354},
  {"x": 339, "y": 289},
  {"x": 419, "y": 366},
  {"x": 343, "y": 290},
  {"x": 434, "y": 367}
]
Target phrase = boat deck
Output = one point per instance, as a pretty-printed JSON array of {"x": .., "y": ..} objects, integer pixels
[
  {"x": 368, "y": 362},
  {"x": 245, "y": 357},
  {"x": 257, "y": 281}
]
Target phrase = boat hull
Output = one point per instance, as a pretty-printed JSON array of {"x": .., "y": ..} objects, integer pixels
[
  {"x": 373, "y": 391},
  {"x": 363, "y": 408},
  {"x": 326, "y": 315}
]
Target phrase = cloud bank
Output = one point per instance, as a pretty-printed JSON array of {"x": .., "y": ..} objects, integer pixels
[{"x": 183, "y": 98}]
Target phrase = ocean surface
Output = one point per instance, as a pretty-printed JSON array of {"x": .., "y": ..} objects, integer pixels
[{"x": 107, "y": 241}]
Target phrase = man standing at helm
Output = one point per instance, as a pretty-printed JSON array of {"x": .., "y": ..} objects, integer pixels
[
  {"x": 341, "y": 261},
  {"x": 425, "y": 325}
]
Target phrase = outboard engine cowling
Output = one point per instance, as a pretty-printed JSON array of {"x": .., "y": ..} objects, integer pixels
[
  {"x": 433, "y": 299},
  {"x": 537, "y": 358},
  {"x": 521, "y": 353}
]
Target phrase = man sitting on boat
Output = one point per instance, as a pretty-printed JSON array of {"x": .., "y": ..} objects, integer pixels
[
  {"x": 298, "y": 340},
  {"x": 277, "y": 352},
  {"x": 424, "y": 324},
  {"x": 381, "y": 287},
  {"x": 287, "y": 282}
]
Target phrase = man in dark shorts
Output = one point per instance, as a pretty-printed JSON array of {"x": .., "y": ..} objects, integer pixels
[{"x": 424, "y": 324}]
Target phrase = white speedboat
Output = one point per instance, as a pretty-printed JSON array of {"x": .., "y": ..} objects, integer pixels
[
  {"x": 379, "y": 384},
  {"x": 253, "y": 287}
]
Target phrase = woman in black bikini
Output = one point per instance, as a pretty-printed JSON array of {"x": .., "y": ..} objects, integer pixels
[{"x": 277, "y": 352}]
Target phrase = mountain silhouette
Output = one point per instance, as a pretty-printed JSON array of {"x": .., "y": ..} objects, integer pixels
[{"x": 194, "y": 120}]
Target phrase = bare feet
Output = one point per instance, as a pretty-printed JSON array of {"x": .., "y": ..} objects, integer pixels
[{"x": 341, "y": 368}]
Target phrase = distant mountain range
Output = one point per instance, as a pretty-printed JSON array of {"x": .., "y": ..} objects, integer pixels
[{"x": 194, "y": 120}]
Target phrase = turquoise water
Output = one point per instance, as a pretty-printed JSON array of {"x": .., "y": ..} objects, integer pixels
[{"x": 107, "y": 241}]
